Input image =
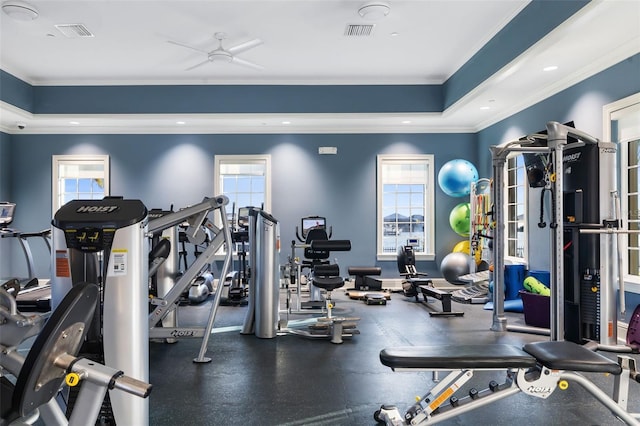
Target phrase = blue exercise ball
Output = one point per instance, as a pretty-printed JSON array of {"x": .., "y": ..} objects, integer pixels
[{"x": 455, "y": 177}]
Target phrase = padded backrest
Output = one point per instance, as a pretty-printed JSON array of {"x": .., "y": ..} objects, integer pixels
[{"x": 314, "y": 235}]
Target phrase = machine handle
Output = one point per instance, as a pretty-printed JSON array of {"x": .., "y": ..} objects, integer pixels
[{"x": 133, "y": 386}]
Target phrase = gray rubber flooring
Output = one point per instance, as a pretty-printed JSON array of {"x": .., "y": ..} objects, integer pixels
[{"x": 292, "y": 380}]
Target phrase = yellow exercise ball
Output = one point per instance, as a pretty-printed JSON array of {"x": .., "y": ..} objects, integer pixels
[
  {"x": 461, "y": 247},
  {"x": 465, "y": 247}
]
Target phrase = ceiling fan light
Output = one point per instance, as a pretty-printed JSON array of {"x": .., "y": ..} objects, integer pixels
[
  {"x": 220, "y": 57},
  {"x": 20, "y": 11},
  {"x": 374, "y": 10}
]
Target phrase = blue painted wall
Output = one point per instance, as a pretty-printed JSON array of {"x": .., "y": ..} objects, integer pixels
[
  {"x": 236, "y": 99},
  {"x": 178, "y": 169},
  {"x": 15, "y": 91}
]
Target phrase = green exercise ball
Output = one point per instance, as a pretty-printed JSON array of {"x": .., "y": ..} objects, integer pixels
[{"x": 460, "y": 219}]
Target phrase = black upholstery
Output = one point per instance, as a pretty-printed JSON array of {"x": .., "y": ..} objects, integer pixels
[
  {"x": 456, "y": 357},
  {"x": 314, "y": 254},
  {"x": 364, "y": 270},
  {"x": 564, "y": 355},
  {"x": 331, "y": 245},
  {"x": 363, "y": 273},
  {"x": 327, "y": 277}
]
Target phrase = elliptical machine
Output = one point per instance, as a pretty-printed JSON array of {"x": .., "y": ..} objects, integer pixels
[{"x": 236, "y": 283}]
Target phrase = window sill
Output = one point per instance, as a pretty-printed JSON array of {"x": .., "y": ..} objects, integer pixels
[
  {"x": 631, "y": 287},
  {"x": 394, "y": 257}
]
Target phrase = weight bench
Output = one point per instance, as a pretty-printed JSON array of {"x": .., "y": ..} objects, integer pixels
[
  {"x": 367, "y": 288},
  {"x": 536, "y": 369},
  {"x": 443, "y": 296},
  {"x": 363, "y": 281}
]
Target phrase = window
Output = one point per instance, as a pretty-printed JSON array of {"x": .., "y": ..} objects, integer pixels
[
  {"x": 622, "y": 125},
  {"x": 405, "y": 205},
  {"x": 516, "y": 208},
  {"x": 76, "y": 177},
  {"x": 245, "y": 180},
  {"x": 631, "y": 167}
]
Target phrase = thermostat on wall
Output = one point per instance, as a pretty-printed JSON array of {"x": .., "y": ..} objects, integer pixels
[{"x": 327, "y": 150}]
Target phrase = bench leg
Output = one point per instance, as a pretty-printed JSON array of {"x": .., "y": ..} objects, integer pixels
[
  {"x": 442, "y": 404},
  {"x": 601, "y": 396}
]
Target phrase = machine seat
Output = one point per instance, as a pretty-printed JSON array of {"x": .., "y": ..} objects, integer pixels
[
  {"x": 452, "y": 357},
  {"x": 564, "y": 355},
  {"x": 328, "y": 283},
  {"x": 327, "y": 277}
]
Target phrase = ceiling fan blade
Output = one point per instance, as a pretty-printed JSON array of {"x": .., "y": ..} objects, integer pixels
[
  {"x": 197, "y": 65},
  {"x": 242, "y": 47},
  {"x": 177, "y": 43},
  {"x": 245, "y": 63}
]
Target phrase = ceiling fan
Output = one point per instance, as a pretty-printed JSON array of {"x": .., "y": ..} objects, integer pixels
[{"x": 222, "y": 55}]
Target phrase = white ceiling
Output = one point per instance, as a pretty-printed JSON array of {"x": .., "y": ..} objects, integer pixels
[{"x": 303, "y": 43}]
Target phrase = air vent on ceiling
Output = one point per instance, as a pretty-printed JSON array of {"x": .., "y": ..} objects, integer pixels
[
  {"x": 357, "y": 30},
  {"x": 74, "y": 30}
]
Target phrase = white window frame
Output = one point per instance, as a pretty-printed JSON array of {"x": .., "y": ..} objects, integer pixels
[
  {"x": 525, "y": 220},
  {"x": 610, "y": 111},
  {"x": 59, "y": 160},
  {"x": 429, "y": 205},
  {"x": 244, "y": 159}
]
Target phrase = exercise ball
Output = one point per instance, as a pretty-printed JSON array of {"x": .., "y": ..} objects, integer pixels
[
  {"x": 461, "y": 247},
  {"x": 455, "y": 177},
  {"x": 455, "y": 265},
  {"x": 460, "y": 219}
]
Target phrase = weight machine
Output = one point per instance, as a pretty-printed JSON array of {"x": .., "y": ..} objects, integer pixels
[
  {"x": 105, "y": 242},
  {"x": 117, "y": 230},
  {"x": 580, "y": 176},
  {"x": 53, "y": 359},
  {"x": 197, "y": 217},
  {"x": 322, "y": 276}
]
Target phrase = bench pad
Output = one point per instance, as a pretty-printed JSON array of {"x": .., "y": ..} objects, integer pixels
[
  {"x": 364, "y": 270},
  {"x": 563, "y": 355},
  {"x": 452, "y": 357}
]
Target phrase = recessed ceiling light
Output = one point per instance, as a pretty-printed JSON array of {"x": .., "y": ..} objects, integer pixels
[
  {"x": 75, "y": 123},
  {"x": 286, "y": 122},
  {"x": 19, "y": 10},
  {"x": 550, "y": 68},
  {"x": 395, "y": 34},
  {"x": 181, "y": 122},
  {"x": 485, "y": 107},
  {"x": 406, "y": 122}
]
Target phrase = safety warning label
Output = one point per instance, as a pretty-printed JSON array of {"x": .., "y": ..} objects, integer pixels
[
  {"x": 118, "y": 262},
  {"x": 62, "y": 264}
]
